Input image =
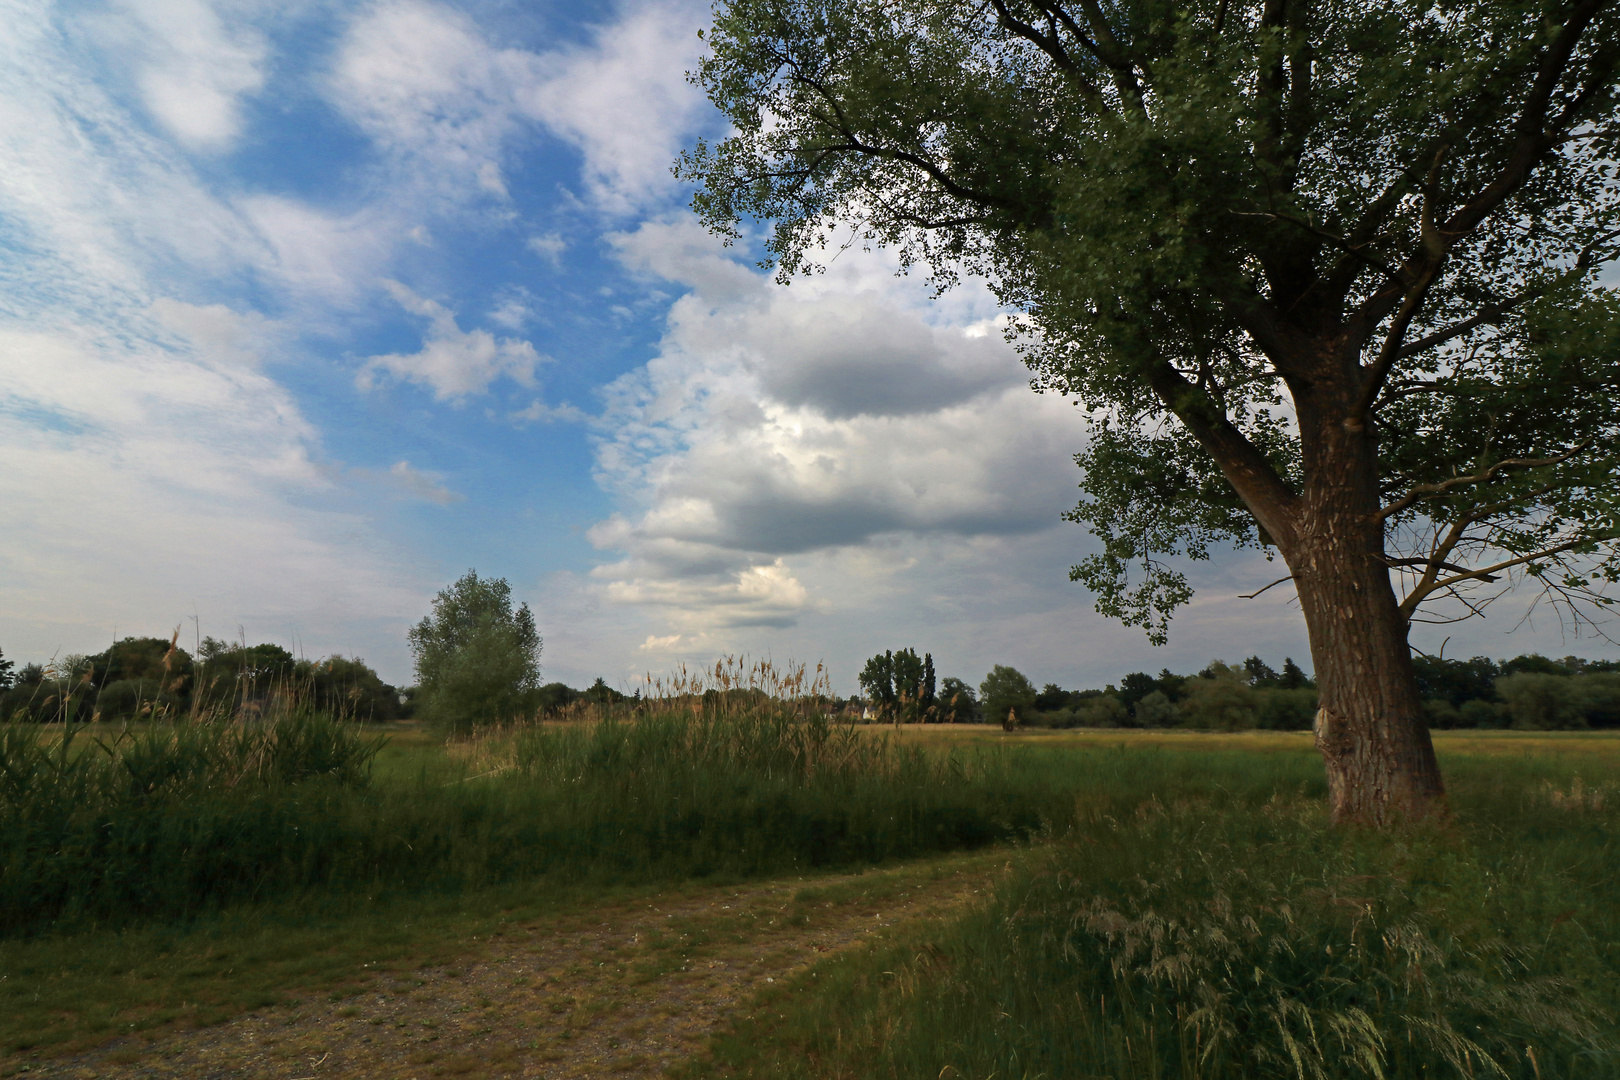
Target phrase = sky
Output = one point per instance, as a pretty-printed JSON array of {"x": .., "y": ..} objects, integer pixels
[{"x": 308, "y": 307}]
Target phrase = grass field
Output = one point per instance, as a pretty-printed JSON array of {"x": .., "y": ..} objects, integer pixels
[{"x": 1175, "y": 905}]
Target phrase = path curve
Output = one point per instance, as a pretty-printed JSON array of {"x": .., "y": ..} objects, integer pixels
[{"x": 624, "y": 991}]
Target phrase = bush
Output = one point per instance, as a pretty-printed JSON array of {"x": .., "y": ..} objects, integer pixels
[
  {"x": 1156, "y": 710},
  {"x": 1105, "y": 710},
  {"x": 129, "y": 698},
  {"x": 1441, "y": 714},
  {"x": 1286, "y": 710},
  {"x": 1543, "y": 702},
  {"x": 957, "y": 702},
  {"x": 1220, "y": 699},
  {"x": 1482, "y": 714}
]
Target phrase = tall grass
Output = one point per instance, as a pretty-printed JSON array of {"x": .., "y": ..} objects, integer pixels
[
  {"x": 182, "y": 818},
  {"x": 165, "y": 820},
  {"x": 1215, "y": 937}
]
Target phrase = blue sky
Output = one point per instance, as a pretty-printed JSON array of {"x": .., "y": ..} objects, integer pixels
[{"x": 308, "y": 307}]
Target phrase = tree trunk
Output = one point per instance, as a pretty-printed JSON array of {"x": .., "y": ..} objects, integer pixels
[{"x": 1370, "y": 728}]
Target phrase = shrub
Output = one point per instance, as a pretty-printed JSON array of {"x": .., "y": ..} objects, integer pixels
[
  {"x": 1286, "y": 710},
  {"x": 1220, "y": 699},
  {"x": 129, "y": 698},
  {"x": 1105, "y": 710},
  {"x": 1538, "y": 701},
  {"x": 1482, "y": 714},
  {"x": 1156, "y": 710}
]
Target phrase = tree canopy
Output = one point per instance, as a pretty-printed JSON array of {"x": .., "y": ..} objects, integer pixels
[
  {"x": 477, "y": 657},
  {"x": 1324, "y": 276},
  {"x": 1181, "y": 197}
]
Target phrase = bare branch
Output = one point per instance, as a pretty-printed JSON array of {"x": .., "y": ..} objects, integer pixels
[
  {"x": 1507, "y": 564},
  {"x": 1491, "y": 312},
  {"x": 1453, "y": 567},
  {"x": 1257, "y": 592},
  {"x": 1426, "y": 491}
]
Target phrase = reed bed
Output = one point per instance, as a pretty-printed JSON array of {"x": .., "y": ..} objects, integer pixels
[{"x": 738, "y": 774}]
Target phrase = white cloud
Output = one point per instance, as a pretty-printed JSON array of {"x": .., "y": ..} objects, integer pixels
[
  {"x": 549, "y": 246},
  {"x": 151, "y": 460},
  {"x": 413, "y": 482},
  {"x": 778, "y": 426},
  {"x": 422, "y": 81},
  {"x": 151, "y": 472},
  {"x": 194, "y": 66},
  {"x": 625, "y": 102},
  {"x": 538, "y": 412},
  {"x": 454, "y": 363}
]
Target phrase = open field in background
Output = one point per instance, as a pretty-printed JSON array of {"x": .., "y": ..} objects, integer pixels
[{"x": 1128, "y": 854}]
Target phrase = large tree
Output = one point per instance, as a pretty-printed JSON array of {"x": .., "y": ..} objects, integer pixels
[{"x": 1324, "y": 275}]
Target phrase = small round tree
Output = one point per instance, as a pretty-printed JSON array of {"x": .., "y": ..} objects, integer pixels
[
  {"x": 1009, "y": 697},
  {"x": 477, "y": 659}
]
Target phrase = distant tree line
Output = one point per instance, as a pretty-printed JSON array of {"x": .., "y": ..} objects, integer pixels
[
  {"x": 143, "y": 677},
  {"x": 1529, "y": 692}
]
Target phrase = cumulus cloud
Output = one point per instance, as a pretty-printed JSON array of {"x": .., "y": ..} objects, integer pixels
[
  {"x": 776, "y": 425},
  {"x": 452, "y": 362}
]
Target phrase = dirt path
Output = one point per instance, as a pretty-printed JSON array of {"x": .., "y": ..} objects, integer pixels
[{"x": 620, "y": 991}]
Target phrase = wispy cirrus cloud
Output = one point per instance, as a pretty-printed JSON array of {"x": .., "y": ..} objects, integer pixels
[{"x": 193, "y": 65}]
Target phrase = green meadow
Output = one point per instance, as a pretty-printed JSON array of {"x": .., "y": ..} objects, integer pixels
[{"x": 1174, "y": 904}]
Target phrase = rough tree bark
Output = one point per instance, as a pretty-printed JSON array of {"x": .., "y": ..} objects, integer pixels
[{"x": 1370, "y": 728}]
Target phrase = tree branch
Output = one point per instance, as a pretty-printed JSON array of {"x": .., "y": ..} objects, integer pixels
[
  {"x": 1486, "y": 573},
  {"x": 1490, "y": 312},
  {"x": 1425, "y": 491},
  {"x": 1532, "y": 141},
  {"x": 1052, "y": 46},
  {"x": 1267, "y": 496},
  {"x": 1257, "y": 592}
]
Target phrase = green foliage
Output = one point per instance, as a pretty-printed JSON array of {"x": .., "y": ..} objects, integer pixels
[
  {"x": 958, "y": 703},
  {"x": 1218, "y": 927},
  {"x": 172, "y": 819},
  {"x": 130, "y": 699},
  {"x": 1008, "y": 695},
  {"x": 1531, "y": 692},
  {"x": 7, "y": 676},
  {"x": 348, "y": 687},
  {"x": 176, "y": 820},
  {"x": 1388, "y": 216},
  {"x": 477, "y": 659},
  {"x": 900, "y": 685},
  {"x": 1547, "y": 702}
]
